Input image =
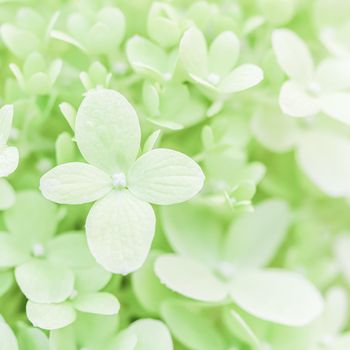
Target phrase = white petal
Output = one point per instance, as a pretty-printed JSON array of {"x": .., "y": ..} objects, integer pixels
[
  {"x": 8, "y": 340},
  {"x": 293, "y": 55},
  {"x": 6, "y": 115},
  {"x": 75, "y": 183},
  {"x": 223, "y": 53},
  {"x": 7, "y": 195},
  {"x": 241, "y": 78},
  {"x": 9, "y": 159},
  {"x": 325, "y": 158},
  {"x": 194, "y": 53},
  {"x": 333, "y": 74},
  {"x": 43, "y": 282},
  {"x": 277, "y": 296},
  {"x": 151, "y": 334},
  {"x": 120, "y": 231},
  {"x": 337, "y": 106},
  {"x": 107, "y": 130},
  {"x": 97, "y": 303},
  {"x": 50, "y": 316},
  {"x": 163, "y": 176},
  {"x": 189, "y": 278},
  {"x": 12, "y": 251},
  {"x": 254, "y": 238},
  {"x": 295, "y": 101}
]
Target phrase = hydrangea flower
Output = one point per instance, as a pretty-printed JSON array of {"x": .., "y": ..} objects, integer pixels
[
  {"x": 120, "y": 225},
  {"x": 214, "y": 69},
  {"x": 47, "y": 268},
  {"x": 309, "y": 90},
  {"x": 232, "y": 265}
]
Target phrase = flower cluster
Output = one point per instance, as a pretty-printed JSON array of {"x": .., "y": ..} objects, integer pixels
[{"x": 175, "y": 175}]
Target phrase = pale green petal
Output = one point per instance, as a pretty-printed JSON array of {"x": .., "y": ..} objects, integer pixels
[
  {"x": 333, "y": 74},
  {"x": 70, "y": 250},
  {"x": 195, "y": 331},
  {"x": 194, "y": 53},
  {"x": 152, "y": 141},
  {"x": 325, "y": 159},
  {"x": 120, "y": 231},
  {"x": 163, "y": 176},
  {"x": 293, "y": 55},
  {"x": 278, "y": 296},
  {"x": 6, "y": 115},
  {"x": 63, "y": 338},
  {"x": 75, "y": 183},
  {"x": 107, "y": 130},
  {"x": 97, "y": 303},
  {"x": 193, "y": 231},
  {"x": 50, "y": 316},
  {"x": 33, "y": 218},
  {"x": 190, "y": 278},
  {"x": 44, "y": 282},
  {"x": 296, "y": 102},
  {"x": 151, "y": 334},
  {"x": 20, "y": 42},
  {"x": 125, "y": 340},
  {"x": 341, "y": 343},
  {"x": 8, "y": 340},
  {"x": 254, "y": 238},
  {"x": 241, "y": 78},
  {"x": 7, "y": 195},
  {"x": 223, "y": 53},
  {"x": 274, "y": 130},
  {"x": 91, "y": 279},
  {"x": 147, "y": 58},
  {"x": 12, "y": 251},
  {"x": 65, "y": 148},
  {"x": 9, "y": 158},
  {"x": 341, "y": 250},
  {"x": 337, "y": 106},
  {"x": 32, "y": 339},
  {"x": 147, "y": 288},
  {"x": 241, "y": 329},
  {"x": 6, "y": 281}
]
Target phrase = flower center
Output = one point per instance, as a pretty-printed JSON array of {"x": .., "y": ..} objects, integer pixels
[
  {"x": 314, "y": 88},
  {"x": 119, "y": 180},
  {"x": 167, "y": 76},
  {"x": 226, "y": 270},
  {"x": 38, "y": 250},
  {"x": 213, "y": 78}
]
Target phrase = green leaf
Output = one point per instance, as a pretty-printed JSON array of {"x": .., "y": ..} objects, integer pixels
[
  {"x": 255, "y": 237},
  {"x": 75, "y": 183},
  {"x": 151, "y": 334},
  {"x": 8, "y": 340},
  {"x": 7, "y": 195},
  {"x": 97, "y": 303},
  {"x": 25, "y": 218},
  {"x": 43, "y": 282},
  {"x": 120, "y": 231},
  {"x": 195, "y": 331},
  {"x": 163, "y": 176},
  {"x": 50, "y": 316},
  {"x": 177, "y": 273},
  {"x": 107, "y": 130},
  {"x": 278, "y": 296}
]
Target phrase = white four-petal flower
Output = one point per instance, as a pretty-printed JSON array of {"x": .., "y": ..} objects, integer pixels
[
  {"x": 120, "y": 225},
  {"x": 308, "y": 90}
]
